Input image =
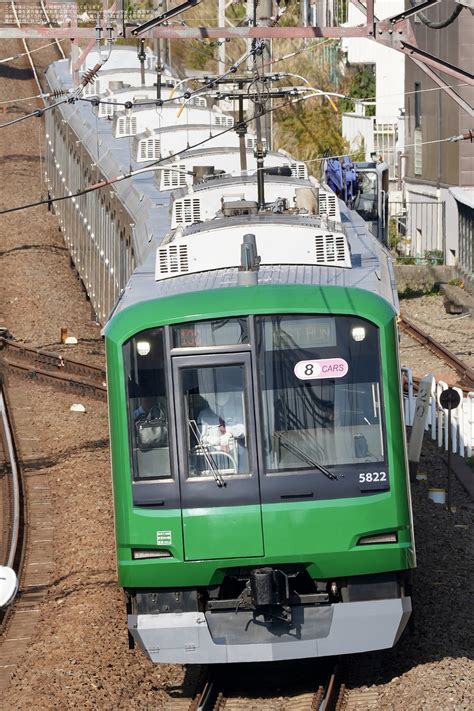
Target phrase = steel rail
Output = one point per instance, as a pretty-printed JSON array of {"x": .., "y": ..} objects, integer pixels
[
  {"x": 15, "y": 478},
  {"x": 465, "y": 372},
  {"x": 95, "y": 372},
  {"x": 65, "y": 380},
  {"x": 212, "y": 696}
]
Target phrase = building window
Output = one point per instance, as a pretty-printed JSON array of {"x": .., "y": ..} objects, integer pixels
[
  {"x": 418, "y": 152},
  {"x": 417, "y": 104}
]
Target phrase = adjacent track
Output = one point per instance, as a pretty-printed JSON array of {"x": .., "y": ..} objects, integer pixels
[
  {"x": 12, "y": 488},
  {"x": 465, "y": 373},
  {"x": 29, "y": 535},
  {"x": 53, "y": 367}
]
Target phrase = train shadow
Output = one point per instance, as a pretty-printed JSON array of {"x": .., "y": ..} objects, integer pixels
[{"x": 17, "y": 73}]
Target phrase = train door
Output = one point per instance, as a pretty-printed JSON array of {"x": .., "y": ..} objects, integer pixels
[{"x": 220, "y": 493}]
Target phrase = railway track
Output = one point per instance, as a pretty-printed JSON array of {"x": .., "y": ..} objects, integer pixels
[
  {"x": 12, "y": 538},
  {"x": 464, "y": 372},
  {"x": 243, "y": 688},
  {"x": 53, "y": 368},
  {"x": 28, "y": 547}
]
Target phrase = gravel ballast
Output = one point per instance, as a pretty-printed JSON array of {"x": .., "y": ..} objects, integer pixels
[{"x": 80, "y": 656}]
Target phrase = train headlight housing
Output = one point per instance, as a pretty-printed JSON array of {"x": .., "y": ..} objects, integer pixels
[
  {"x": 150, "y": 553},
  {"x": 358, "y": 333},
  {"x": 143, "y": 348}
]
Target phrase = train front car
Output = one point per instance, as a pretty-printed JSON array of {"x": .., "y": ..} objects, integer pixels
[{"x": 261, "y": 497}]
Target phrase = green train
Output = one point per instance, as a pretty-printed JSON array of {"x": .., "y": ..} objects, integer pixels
[
  {"x": 262, "y": 507},
  {"x": 258, "y": 451}
]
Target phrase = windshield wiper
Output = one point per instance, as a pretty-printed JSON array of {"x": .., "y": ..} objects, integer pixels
[
  {"x": 304, "y": 456},
  {"x": 207, "y": 454}
]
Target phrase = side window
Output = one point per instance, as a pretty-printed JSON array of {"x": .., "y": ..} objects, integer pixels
[{"x": 147, "y": 405}]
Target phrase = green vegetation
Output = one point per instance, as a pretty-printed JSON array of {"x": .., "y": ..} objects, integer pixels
[
  {"x": 434, "y": 256},
  {"x": 360, "y": 83}
]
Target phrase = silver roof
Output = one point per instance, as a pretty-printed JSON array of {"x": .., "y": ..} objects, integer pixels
[{"x": 149, "y": 211}]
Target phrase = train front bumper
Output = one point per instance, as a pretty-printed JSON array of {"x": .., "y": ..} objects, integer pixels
[{"x": 225, "y": 637}]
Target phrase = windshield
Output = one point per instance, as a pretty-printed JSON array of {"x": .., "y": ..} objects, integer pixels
[
  {"x": 215, "y": 411},
  {"x": 320, "y": 391},
  {"x": 147, "y": 405}
]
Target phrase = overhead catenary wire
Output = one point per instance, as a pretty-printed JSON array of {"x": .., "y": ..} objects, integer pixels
[
  {"x": 37, "y": 113},
  {"x": 152, "y": 166},
  {"x": 74, "y": 94},
  {"x": 468, "y": 135},
  {"x": 153, "y": 102},
  {"x": 25, "y": 54}
]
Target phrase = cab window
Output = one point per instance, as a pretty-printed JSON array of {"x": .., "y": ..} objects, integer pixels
[{"x": 147, "y": 405}]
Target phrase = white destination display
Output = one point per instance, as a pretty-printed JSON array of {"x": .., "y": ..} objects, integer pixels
[{"x": 322, "y": 368}]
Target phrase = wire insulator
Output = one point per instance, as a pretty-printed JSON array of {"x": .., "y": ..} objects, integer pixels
[
  {"x": 90, "y": 75},
  {"x": 56, "y": 93}
]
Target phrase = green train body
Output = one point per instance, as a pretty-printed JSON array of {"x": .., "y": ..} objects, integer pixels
[
  {"x": 262, "y": 506},
  {"x": 334, "y": 540}
]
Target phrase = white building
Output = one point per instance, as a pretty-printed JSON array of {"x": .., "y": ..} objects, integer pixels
[{"x": 383, "y": 134}]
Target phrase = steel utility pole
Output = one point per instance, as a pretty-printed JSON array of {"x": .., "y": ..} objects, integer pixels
[
  {"x": 159, "y": 6},
  {"x": 222, "y": 42},
  {"x": 264, "y": 19}
]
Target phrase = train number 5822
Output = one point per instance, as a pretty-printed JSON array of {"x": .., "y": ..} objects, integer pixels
[{"x": 367, "y": 477}]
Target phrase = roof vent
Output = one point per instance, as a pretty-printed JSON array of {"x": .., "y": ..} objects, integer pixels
[
  {"x": 127, "y": 126},
  {"x": 173, "y": 177},
  {"x": 223, "y": 120},
  {"x": 107, "y": 107},
  {"x": 327, "y": 204},
  {"x": 299, "y": 170},
  {"x": 332, "y": 249},
  {"x": 239, "y": 207},
  {"x": 187, "y": 211},
  {"x": 172, "y": 260},
  {"x": 150, "y": 149}
]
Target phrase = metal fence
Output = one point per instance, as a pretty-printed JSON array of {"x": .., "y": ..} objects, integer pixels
[
  {"x": 462, "y": 417},
  {"x": 417, "y": 231}
]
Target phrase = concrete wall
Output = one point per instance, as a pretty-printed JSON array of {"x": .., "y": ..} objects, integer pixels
[{"x": 423, "y": 277}]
